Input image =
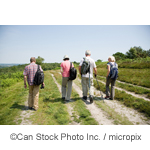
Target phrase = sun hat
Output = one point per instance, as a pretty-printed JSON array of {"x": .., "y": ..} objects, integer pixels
[
  {"x": 87, "y": 52},
  {"x": 66, "y": 57}
]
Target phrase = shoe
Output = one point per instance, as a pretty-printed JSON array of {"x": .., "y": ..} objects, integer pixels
[
  {"x": 67, "y": 101},
  {"x": 91, "y": 99},
  {"x": 84, "y": 98},
  {"x": 30, "y": 108},
  {"x": 107, "y": 97},
  {"x": 34, "y": 109},
  {"x": 63, "y": 98},
  {"x": 111, "y": 98}
]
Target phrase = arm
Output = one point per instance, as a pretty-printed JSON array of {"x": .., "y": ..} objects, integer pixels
[
  {"x": 25, "y": 79},
  {"x": 80, "y": 69},
  {"x": 108, "y": 70},
  {"x": 95, "y": 71},
  {"x": 61, "y": 70}
]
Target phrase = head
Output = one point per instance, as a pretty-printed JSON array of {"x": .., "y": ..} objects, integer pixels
[
  {"x": 87, "y": 53},
  {"x": 32, "y": 59},
  {"x": 66, "y": 57},
  {"x": 111, "y": 59}
]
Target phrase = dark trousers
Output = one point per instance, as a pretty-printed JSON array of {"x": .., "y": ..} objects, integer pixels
[{"x": 112, "y": 82}]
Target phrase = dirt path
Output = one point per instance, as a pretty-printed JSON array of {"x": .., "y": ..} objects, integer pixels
[
  {"x": 134, "y": 116},
  {"x": 25, "y": 114},
  {"x": 98, "y": 114}
]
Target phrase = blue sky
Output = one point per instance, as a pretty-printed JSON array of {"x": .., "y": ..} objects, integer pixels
[{"x": 20, "y": 42}]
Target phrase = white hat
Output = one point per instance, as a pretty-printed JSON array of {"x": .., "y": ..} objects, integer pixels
[
  {"x": 66, "y": 56},
  {"x": 87, "y": 52}
]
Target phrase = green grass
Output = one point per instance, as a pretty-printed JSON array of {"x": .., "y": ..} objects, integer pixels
[
  {"x": 131, "y": 88},
  {"x": 85, "y": 117},
  {"x": 52, "y": 110},
  {"x": 81, "y": 115},
  {"x": 12, "y": 101},
  {"x": 134, "y": 76},
  {"x": 139, "y": 63}
]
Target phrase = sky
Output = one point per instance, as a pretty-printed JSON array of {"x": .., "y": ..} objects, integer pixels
[{"x": 20, "y": 42}]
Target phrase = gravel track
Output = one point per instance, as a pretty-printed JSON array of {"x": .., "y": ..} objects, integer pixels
[{"x": 134, "y": 116}]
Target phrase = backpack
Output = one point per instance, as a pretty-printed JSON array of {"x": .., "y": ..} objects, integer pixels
[
  {"x": 73, "y": 72},
  {"x": 85, "y": 68},
  {"x": 113, "y": 71},
  {"x": 39, "y": 77}
]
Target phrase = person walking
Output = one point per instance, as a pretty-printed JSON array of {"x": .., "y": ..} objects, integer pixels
[
  {"x": 65, "y": 71},
  {"x": 29, "y": 74},
  {"x": 88, "y": 77},
  {"x": 110, "y": 64}
]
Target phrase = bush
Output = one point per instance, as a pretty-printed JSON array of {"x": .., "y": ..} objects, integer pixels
[{"x": 10, "y": 79}]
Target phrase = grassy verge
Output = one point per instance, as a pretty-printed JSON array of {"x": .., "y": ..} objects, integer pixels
[
  {"x": 12, "y": 101},
  {"x": 81, "y": 115},
  {"x": 134, "y": 76},
  {"x": 128, "y": 100},
  {"x": 131, "y": 88},
  {"x": 52, "y": 110}
]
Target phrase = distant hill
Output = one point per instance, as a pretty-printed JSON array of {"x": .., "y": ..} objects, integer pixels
[{"x": 8, "y": 65}]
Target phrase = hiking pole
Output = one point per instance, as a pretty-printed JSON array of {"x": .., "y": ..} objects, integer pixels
[
  {"x": 90, "y": 88},
  {"x": 90, "y": 96},
  {"x": 100, "y": 90}
]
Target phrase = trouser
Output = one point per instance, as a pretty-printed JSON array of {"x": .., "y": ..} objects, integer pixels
[
  {"x": 85, "y": 86},
  {"x": 66, "y": 86},
  {"x": 33, "y": 96},
  {"x": 108, "y": 81}
]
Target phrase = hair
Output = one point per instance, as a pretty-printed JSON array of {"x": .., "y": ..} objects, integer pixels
[
  {"x": 32, "y": 59},
  {"x": 112, "y": 58},
  {"x": 66, "y": 59},
  {"x": 87, "y": 52}
]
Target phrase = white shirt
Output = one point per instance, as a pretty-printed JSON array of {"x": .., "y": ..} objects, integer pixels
[{"x": 92, "y": 66}]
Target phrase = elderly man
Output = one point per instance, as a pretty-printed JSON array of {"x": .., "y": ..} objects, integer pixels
[
  {"x": 88, "y": 77},
  {"x": 29, "y": 74}
]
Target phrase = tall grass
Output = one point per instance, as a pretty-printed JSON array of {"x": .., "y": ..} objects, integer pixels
[
  {"x": 131, "y": 88},
  {"x": 8, "y": 79},
  {"x": 134, "y": 76}
]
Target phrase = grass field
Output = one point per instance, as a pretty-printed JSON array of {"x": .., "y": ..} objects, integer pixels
[{"x": 54, "y": 111}]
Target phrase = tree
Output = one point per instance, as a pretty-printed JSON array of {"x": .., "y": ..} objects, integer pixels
[
  {"x": 119, "y": 56},
  {"x": 136, "y": 52},
  {"x": 99, "y": 60},
  {"x": 148, "y": 53},
  {"x": 131, "y": 54},
  {"x": 39, "y": 60}
]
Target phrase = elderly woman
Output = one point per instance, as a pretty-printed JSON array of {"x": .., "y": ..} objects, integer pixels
[
  {"x": 109, "y": 80},
  {"x": 65, "y": 71}
]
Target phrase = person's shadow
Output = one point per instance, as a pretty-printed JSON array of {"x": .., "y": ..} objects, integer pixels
[{"x": 17, "y": 106}]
